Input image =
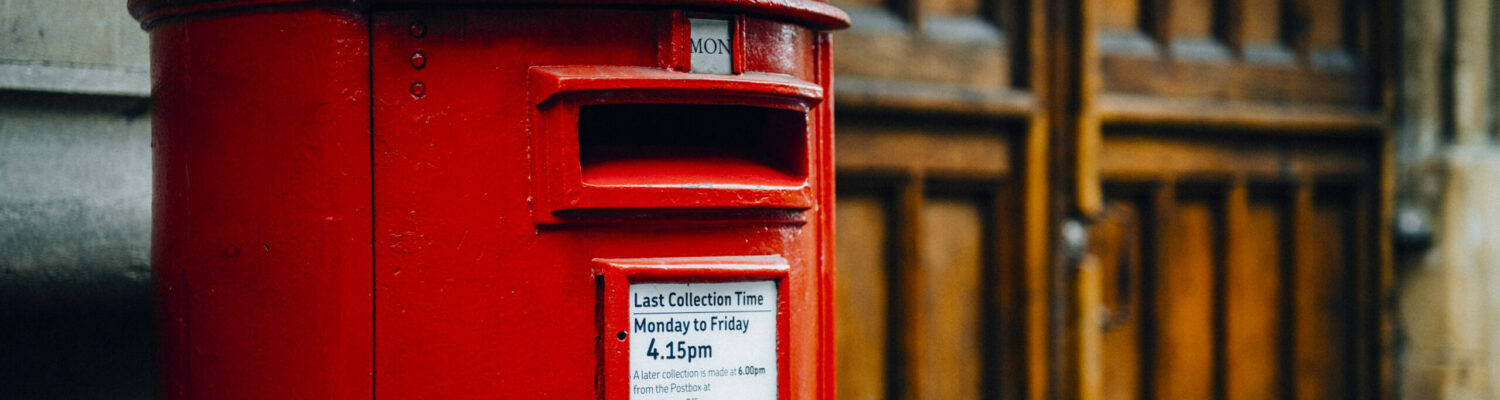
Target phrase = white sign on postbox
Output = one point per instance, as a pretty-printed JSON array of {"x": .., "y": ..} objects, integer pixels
[
  {"x": 703, "y": 341},
  {"x": 711, "y": 46}
]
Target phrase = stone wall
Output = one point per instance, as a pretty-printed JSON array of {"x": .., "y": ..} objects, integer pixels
[
  {"x": 75, "y": 202},
  {"x": 1449, "y": 176}
]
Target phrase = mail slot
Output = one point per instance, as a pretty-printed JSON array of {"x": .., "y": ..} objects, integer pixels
[
  {"x": 487, "y": 199},
  {"x": 622, "y": 144}
]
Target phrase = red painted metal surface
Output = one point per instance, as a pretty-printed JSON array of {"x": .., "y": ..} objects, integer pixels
[
  {"x": 375, "y": 200},
  {"x": 261, "y": 240}
]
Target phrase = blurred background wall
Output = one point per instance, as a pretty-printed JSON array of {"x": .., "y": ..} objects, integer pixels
[
  {"x": 75, "y": 202},
  {"x": 1449, "y": 157}
]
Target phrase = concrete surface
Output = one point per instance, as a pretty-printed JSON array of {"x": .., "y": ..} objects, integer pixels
[{"x": 75, "y": 187}]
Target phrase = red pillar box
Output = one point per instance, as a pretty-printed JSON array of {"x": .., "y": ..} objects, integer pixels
[{"x": 491, "y": 199}]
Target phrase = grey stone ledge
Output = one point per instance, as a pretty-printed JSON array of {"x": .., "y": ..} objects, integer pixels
[{"x": 87, "y": 79}]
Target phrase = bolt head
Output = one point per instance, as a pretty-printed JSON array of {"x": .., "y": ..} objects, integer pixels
[
  {"x": 418, "y": 60},
  {"x": 418, "y": 29}
]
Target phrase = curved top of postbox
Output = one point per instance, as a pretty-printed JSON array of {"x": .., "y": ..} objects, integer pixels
[{"x": 813, "y": 13}]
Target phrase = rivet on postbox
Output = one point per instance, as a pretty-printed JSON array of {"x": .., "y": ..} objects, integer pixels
[
  {"x": 418, "y": 60},
  {"x": 418, "y": 29}
]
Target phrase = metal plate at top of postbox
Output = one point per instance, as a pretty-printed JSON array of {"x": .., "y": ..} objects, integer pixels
[{"x": 711, "y": 46}]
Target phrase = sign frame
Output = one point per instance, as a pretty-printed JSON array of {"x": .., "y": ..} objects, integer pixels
[{"x": 614, "y": 277}]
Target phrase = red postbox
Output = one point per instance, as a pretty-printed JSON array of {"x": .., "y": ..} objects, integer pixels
[{"x": 493, "y": 199}]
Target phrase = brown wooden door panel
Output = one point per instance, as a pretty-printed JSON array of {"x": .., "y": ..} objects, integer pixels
[
  {"x": 1116, "y": 239},
  {"x": 1192, "y": 19},
  {"x": 944, "y": 302},
  {"x": 928, "y": 236},
  {"x": 1247, "y": 273},
  {"x": 1239, "y": 147},
  {"x": 1184, "y": 299},
  {"x": 1273, "y": 51},
  {"x": 1256, "y": 219},
  {"x": 929, "y": 313},
  {"x": 938, "y": 56},
  {"x": 940, "y": 122},
  {"x": 863, "y": 316},
  {"x": 1322, "y": 296},
  {"x": 899, "y": 149}
]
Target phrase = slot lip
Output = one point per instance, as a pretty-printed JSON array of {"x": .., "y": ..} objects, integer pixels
[
  {"x": 562, "y": 196},
  {"x": 550, "y": 84}
]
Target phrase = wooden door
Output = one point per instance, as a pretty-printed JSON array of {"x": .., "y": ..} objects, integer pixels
[
  {"x": 1248, "y": 276},
  {"x": 941, "y": 201},
  {"x": 1226, "y": 160},
  {"x": 1230, "y": 161}
]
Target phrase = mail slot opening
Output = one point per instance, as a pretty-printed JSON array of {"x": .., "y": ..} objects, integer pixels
[{"x": 689, "y": 144}]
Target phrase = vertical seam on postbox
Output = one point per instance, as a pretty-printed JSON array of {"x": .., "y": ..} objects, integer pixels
[
  {"x": 737, "y": 44},
  {"x": 374, "y": 229},
  {"x": 684, "y": 36},
  {"x": 671, "y": 41}
]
